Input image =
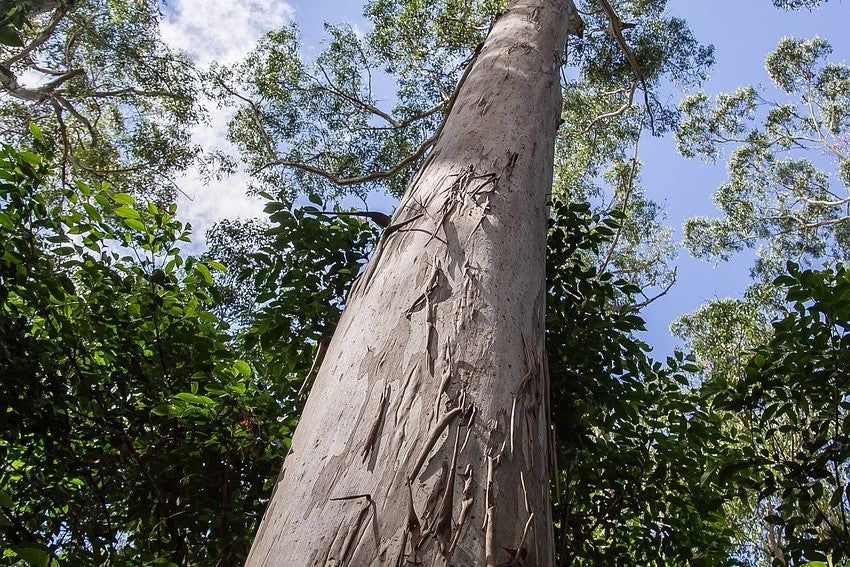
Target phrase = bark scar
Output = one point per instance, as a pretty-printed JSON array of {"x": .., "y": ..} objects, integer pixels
[
  {"x": 443, "y": 525},
  {"x": 465, "y": 505},
  {"x": 376, "y": 424},
  {"x": 411, "y": 530}
]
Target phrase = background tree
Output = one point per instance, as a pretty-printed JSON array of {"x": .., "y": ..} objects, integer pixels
[
  {"x": 642, "y": 501},
  {"x": 787, "y": 197},
  {"x": 96, "y": 77},
  {"x": 789, "y": 181},
  {"x": 131, "y": 433}
]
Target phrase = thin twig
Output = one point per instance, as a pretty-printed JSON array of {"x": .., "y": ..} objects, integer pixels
[{"x": 629, "y": 187}]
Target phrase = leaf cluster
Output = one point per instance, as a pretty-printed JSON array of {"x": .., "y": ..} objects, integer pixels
[
  {"x": 788, "y": 188},
  {"x": 631, "y": 437},
  {"x": 297, "y": 282},
  {"x": 790, "y": 401},
  {"x": 129, "y": 431}
]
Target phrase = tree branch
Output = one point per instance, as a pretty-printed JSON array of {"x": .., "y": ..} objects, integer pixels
[
  {"x": 45, "y": 34},
  {"x": 384, "y": 174},
  {"x": 629, "y": 187},
  {"x": 393, "y": 122},
  {"x": 255, "y": 117},
  {"x": 375, "y": 175},
  {"x": 617, "y": 27},
  {"x": 614, "y": 113},
  {"x": 648, "y": 300}
]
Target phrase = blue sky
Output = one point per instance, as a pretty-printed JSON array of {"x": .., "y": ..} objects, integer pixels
[{"x": 742, "y": 31}]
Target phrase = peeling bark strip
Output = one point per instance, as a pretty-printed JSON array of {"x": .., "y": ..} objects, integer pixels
[{"x": 431, "y": 404}]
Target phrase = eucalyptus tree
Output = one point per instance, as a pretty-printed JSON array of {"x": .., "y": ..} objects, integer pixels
[
  {"x": 98, "y": 80},
  {"x": 798, "y": 4},
  {"x": 439, "y": 353},
  {"x": 788, "y": 193},
  {"x": 789, "y": 173},
  {"x": 442, "y": 396}
]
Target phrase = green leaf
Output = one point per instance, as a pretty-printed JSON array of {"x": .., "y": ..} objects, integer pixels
[
  {"x": 205, "y": 272},
  {"x": 36, "y": 133},
  {"x": 64, "y": 250},
  {"x": 6, "y": 500},
  {"x": 243, "y": 368},
  {"x": 123, "y": 198},
  {"x": 135, "y": 224},
  {"x": 9, "y": 36},
  {"x": 837, "y": 494},
  {"x": 31, "y": 158},
  {"x": 193, "y": 399},
  {"x": 127, "y": 212},
  {"x": 34, "y": 556}
]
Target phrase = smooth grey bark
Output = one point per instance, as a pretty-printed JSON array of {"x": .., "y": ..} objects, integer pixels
[{"x": 426, "y": 437}]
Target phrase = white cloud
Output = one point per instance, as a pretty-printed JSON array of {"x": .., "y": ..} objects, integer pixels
[
  {"x": 203, "y": 203},
  {"x": 219, "y": 31}
]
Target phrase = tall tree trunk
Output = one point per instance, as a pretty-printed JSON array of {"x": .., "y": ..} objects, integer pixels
[{"x": 426, "y": 437}]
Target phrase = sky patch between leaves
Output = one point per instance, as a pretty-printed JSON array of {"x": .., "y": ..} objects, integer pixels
[{"x": 218, "y": 31}]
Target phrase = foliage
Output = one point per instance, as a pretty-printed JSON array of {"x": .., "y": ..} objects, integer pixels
[
  {"x": 318, "y": 128},
  {"x": 783, "y": 195},
  {"x": 97, "y": 79},
  {"x": 233, "y": 243},
  {"x": 791, "y": 402},
  {"x": 139, "y": 429},
  {"x": 607, "y": 106},
  {"x": 130, "y": 432},
  {"x": 631, "y": 436},
  {"x": 298, "y": 281},
  {"x": 786, "y": 197},
  {"x": 798, "y": 4},
  {"x": 720, "y": 331}
]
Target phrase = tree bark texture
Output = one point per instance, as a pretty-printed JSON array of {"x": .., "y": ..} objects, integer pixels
[{"x": 425, "y": 439}]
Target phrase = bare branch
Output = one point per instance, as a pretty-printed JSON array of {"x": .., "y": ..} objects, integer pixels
[
  {"x": 58, "y": 81},
  {"x": 375, "y": 175},
  {"x": 829, "y": 222},
  {"x": 41, "y": 93},
  {"x": 255, "y": 118},
  {"x": 75, "y": 113},
  {"x": 828, "y": 203},
  {"x": 354, "y": 100},
  {"x": 614, "y": 113},
  {"x": 648, "y": 300},
  {"x": 136, "y": 92},
  {"x": 394, "y": 122},
  {"x": 66, "y": 144}
]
